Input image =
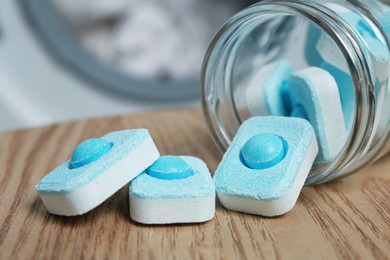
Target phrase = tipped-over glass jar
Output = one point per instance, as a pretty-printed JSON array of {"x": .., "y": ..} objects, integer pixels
[{"x": 349, "y": 39}]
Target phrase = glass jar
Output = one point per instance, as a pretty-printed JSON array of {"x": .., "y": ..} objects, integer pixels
[{"x": 356, "y": 38}]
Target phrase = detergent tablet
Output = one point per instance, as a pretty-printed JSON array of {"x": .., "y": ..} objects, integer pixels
[
  {"x": 175, "y": 189},
  {"x": 266, "y": 165},
  {"x": 266, "y": 92},
  {"x": 314, "y": 92},
  {"x": 98, "y": 168}
]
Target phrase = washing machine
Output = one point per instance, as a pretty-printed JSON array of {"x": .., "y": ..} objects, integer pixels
[{"x": 47, "y": 76}]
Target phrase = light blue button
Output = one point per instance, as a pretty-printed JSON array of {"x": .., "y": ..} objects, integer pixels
[
  {"x": 169, "y": 167},
  {"x": 89, "y": 151},
  {"x": 263, "y": 151}
]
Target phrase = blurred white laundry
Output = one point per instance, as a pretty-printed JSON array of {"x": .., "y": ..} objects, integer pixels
[
  {"x": 84, "y": 12},
  {"x": 160, "y": 39}
]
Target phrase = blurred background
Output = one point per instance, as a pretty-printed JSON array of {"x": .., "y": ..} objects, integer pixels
[{"x": 71, "y": 59}]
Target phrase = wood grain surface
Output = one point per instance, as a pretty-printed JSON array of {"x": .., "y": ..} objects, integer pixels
[{"x": 348, "y": 218}]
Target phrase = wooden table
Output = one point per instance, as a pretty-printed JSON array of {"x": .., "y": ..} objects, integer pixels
[{"x": 348, "y": 218}]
